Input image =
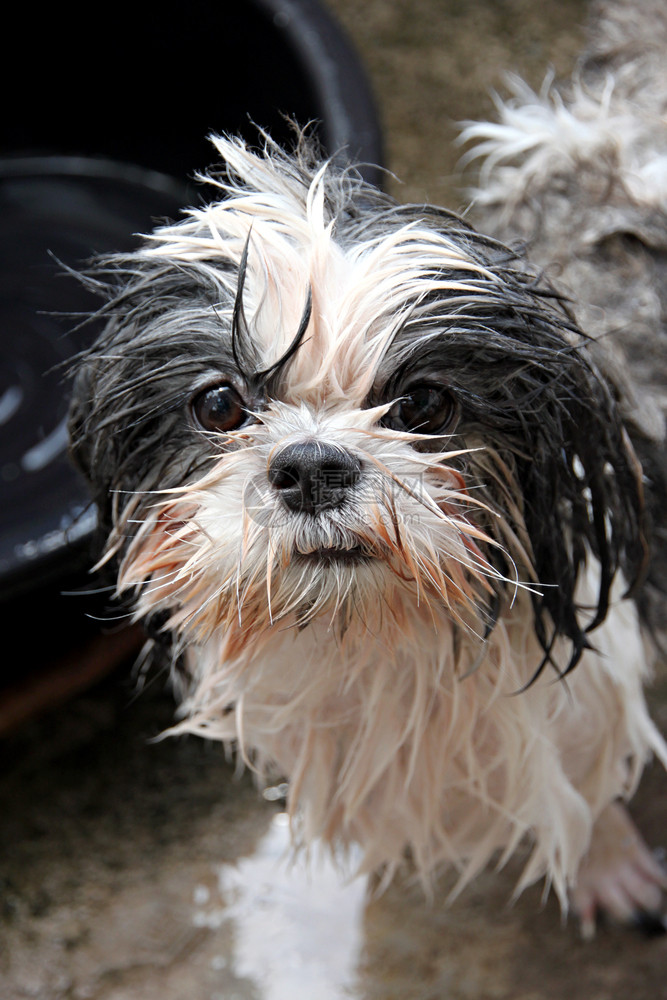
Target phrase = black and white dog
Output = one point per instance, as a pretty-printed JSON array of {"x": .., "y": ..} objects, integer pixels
[{"x": 377, "y": 495}]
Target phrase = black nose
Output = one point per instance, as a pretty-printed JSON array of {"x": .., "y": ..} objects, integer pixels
[{"x": 312, "y": 477}]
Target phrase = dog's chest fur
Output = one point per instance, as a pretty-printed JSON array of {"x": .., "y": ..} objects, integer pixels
[{"x": 387, "y": 747}]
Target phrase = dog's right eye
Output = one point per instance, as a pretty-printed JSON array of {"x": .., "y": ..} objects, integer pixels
[{"x": 219, "y": 408}]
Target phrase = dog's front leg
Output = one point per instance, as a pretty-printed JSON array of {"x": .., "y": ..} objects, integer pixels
[{"x": 619, "y": 877}]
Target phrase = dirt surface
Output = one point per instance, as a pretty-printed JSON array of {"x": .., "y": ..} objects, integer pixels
[
  {"x": 133, "y": 869},
  {"x": 435, "y": 63}
]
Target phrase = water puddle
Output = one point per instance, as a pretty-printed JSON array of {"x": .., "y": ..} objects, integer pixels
[{"x": 293, "y": 926}]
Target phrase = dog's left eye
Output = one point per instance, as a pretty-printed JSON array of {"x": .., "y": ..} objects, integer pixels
[
  {"x": 219, "y": 408},
  {"x": 427, "y": 408}
]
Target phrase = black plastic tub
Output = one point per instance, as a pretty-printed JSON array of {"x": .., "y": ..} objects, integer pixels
[
  {"x": 106, "y": 142},
  {"x": 146, "y": 83}
]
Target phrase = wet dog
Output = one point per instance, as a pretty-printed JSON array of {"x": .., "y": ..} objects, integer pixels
[{"x": 376, "y": 490}]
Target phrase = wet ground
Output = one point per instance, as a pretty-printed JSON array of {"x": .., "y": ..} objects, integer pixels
[
  {"x": 135, "y": 869},
  {"x": 140, "y": 870}
]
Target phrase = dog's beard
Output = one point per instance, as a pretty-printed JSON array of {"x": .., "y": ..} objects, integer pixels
[{"x": 224, "y": 554}]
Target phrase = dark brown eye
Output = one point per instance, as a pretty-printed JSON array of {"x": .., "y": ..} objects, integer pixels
[
  {"x": 425, "y": 408},
  {"x": 219, "y": 408}
]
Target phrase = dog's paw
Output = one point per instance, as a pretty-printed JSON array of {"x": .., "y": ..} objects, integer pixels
[{"x": 619, "y": 878}]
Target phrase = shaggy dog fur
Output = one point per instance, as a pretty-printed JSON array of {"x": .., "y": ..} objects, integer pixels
[{"x": 375, "y": 495}]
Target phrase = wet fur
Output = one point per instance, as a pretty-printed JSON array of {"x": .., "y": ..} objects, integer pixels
[
  {"x": 578, "y": 173},
  {"x": 496, "y": 558}
]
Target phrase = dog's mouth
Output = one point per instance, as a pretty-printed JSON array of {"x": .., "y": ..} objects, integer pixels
[{"x": 337, "y": 556}]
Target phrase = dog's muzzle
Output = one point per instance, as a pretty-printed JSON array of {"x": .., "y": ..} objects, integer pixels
[{"x": 310, "y": 476}]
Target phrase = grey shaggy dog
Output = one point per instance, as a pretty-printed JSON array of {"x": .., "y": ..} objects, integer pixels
[
  {"x": 577, "y": 174},
  {"x": 376, "y": 483}
]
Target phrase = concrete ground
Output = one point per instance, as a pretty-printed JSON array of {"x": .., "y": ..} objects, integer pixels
[{"x": 132, "y": 869}]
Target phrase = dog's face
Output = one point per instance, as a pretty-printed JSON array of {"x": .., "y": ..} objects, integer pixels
[{"x": 310, "y": 403}]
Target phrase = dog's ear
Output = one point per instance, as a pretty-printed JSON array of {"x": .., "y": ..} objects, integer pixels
[
  {"x": 586, "y": 496},
  {"x": 90, "y": 449}
]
